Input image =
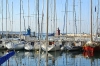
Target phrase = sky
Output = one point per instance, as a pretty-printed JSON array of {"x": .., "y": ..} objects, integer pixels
[{"x": 59, "y": 12}]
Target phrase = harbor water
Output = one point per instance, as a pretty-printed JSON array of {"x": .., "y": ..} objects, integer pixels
[{"x": 57, "y": 58}]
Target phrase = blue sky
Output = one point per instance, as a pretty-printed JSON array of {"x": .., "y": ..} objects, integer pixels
[{"x": 60, "y": 8}]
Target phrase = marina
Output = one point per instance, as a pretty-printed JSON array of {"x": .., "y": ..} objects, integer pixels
[{"x": 44, "y": 33}]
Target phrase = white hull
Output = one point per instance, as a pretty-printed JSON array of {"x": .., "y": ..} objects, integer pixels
[
  {"x": 3, "y": 44},
  {"x": 15, "y": 46},
  {"x": 29, "y": 46},
  {"x": 52, "y": 47}
]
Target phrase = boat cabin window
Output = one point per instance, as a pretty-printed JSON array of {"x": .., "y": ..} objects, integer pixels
[
  {"x": 52, "y": 42},
  {"x": 32, "y": 43}
]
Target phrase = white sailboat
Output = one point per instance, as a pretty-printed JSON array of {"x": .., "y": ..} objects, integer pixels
[
  {"x": 2, "y": 41},
  {"x": 29, "y": 46},
  {"x": 2, "y": 44},
  {"x": 32, "y": 46},
  {"x": 97, "y": 37},
  {"x": 16, "y": 44},
  {"x": 52, "y": 46}
]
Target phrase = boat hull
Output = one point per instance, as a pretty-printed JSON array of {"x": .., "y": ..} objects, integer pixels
[
  {"x": 34, "y": 46},
  {"x": 50, "y": 47},
  {"x": 12, "y": 46},
  {"x": 91, "y": 49},
  {"x": 77, "y": 48},
  {"x": 28, "y": 47}
]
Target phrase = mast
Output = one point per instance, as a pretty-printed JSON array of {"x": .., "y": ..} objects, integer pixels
[
  {"x": 91, "y": 20},
  {"x": 2, "y": 17},
  {"x": 51, "y": 15},
  {"x": 23, "y": 17},
  {"x": 12, "y": 20},
  {"x": 36, "y": 16},
  {"x": 28, "y": 13},
  {"x": 42, "y": 20},
  {"x": 66, "y": 15},
  {"x": 80, "y": 18},
  {"x": 38, "y": 21},
  {"x": 20, "y": 19},
  {"x": 73, "y": 17},
  {"x": 6, "y": 18},
  {"x": 47, "y": 37},
  {"x": 41, "y": 32},
  {"x": 97, "y": 19},
  {"x": 54, "y": 13}
]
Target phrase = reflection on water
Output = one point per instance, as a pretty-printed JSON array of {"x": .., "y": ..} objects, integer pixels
[{"x": 58, "y": 58}]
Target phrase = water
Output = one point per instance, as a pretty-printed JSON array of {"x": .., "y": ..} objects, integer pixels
[{"x": 58, "y": 58}]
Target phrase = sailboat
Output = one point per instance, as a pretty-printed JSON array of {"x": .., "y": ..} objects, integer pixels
[
  {"x": 2, "y": 41},
  {"x": 91, "y": 46},
  {"x": 75, "y": 45},
  {"x": 16, "y": 44},
  {"x": 52, "y": 46},
  {"x": 33, "y": 44}
]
